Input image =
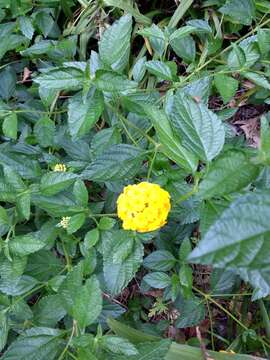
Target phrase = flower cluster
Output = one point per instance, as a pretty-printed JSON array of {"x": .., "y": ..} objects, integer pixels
[
  {"x": 60, "y": 167},
  {"x": 143, "y": 207},
  {"x": 64, "y": 222}
]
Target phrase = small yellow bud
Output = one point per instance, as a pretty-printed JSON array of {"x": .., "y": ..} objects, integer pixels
[
  {"x": 60, "y": 167},
  {"x": 64, "y": 222},
  {"x": 143, "y": 207}
]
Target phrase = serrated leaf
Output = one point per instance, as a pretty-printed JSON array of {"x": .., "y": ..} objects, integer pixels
[
  {"x": 114, "y": 46},
  {"x": 48, "y": 311},
  {"x": 171, "y": 145},
  {"x": 112, "y": 82},
  {"x": 185, "y": 47},
  {"x": 139, "y": 69},
  {"x": 192, "y": 312},
  {"x": 242, "y": 11},
  {"x": 54, "y": 182},
  {"x": 26, "y": 26},
  {"x": 82, "y": 302},
  {"x": 118, "y": 275},
  {"x": 75, "y": 223},
  {"x": 61, "y": 79},
  {"x": 226, "y": 86},
  {"x": 160, "y": 260},
  {"x": 201, "y": 130},
  {"x": 83, "y": 114},
  {"x": 44, "y": 131},
  {"x": 46, "y": 344},
  {"x": 159, "y": 68},
  {"x": 22, "y": 245},
  {"x": 117, "y": 163},
  {"x": 258, "y": 79},
  {"x": 239, "y": 240},
  {"x": 229, "y": 173},
  {"x": 4, "y": 329},
  {"x": 23, "y": 204},
  {"x": 10, "y": 125},
  {"x": 157, "y": 280},
  {"x": 117, "y": 345},
  {"x": 80, "y": 192},
  {"x": 156, "y": 37}
]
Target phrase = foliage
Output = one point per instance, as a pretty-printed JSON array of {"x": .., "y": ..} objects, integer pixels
[{"x": 98, "y": 95}]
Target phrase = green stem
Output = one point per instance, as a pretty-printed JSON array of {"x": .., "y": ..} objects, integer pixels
[
  {"x": 265, "y": 318},
  {"x": 69, "y": 341},
  {"x": 152, "y": 163}
]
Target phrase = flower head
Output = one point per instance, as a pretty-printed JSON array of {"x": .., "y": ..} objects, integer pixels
[
  {"x": 143, "y": 207},
  {"x": 60, "y": 167},
  {"x": 64, "y": 222}
]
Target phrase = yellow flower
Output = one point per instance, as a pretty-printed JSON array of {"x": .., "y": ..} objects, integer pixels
[
  {"x": 143, "y": 207},
  {"x": 230, "y": 352},
  {"x": 60, "y": 167},
  {"x": 64, "y": 222}
]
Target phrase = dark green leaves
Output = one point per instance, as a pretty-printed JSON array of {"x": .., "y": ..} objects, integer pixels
[
  {"x": 83, "y": 113},
  {"x": 118, "y": 162},
  {"x": 239, "y": 240},
  {"x": 61, "y": 78},
  {"x": 242, "y": 11},
  {"x": 82, "y": 302},
  {"x": 114, "y": 46},
  {"x": 37, "y": 342},
  {"x": 119, "y": 270},
  {"x": 54, "y": 182},
  {"x": 230, "y": 172},
  {"x": 226, "y": 86},
  {"x": 201, "y": 130},
  {"x": 112, "y": 82}
]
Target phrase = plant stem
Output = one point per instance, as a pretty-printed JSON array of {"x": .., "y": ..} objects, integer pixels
[{"x": 179, "y": 12}]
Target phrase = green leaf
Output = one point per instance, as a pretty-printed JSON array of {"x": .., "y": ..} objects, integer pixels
[
  {"x": 83, "y": 114},
  {"x": 112, "y": 82},
  {"x": 258, "y": 79},
  {"x": 263, "y": 36},
  {"x": 226, "y": 86},
  {"x": 118, "y": 274},
  {"x": 157, "y": 280},
  {"x": 10, "y": 125},
  {"x": 75, "y": 223},
  {"x": 201, "y": 130},
  {"x": 237, "y": 58},
  {"x": 114, "y": 46},
  {"x": 231, "y": 172},
  {"x": 4, "y": 329},
  {"x": 22, "y": 245},
  {"x": 91, "y": 238},
  {"x": 106, "y": 223},
  {"x": 45, "y": 343},
  {"x": 44, "y": 131},
  {"x": 7, "y": 83},
  {"x": 186, "y": 279},
  {"x": 117, "y": 345},
  {"x": 171, "y": 145},
  {"x": 23, "y": 204},
  {"x": 13, "y": 179},
  {"x": 139, "y": 69},
  {"x": 80, "y": 192},
  {"x": 184, "y": 250},
  {"x": 23, "y": 165},
  {"x": 242, "y": 11},
  {"x": 26, "y": 26},
  {"x": 156, "y": 37},
  {"x": 159, "y": 68},
  {"x": 61, "y": 79},
  {"x": 54, "y": 182},
  {"x": 160, "y": 260},
  {"x": 48, "y": 311},
  {"x": 239, "y": 241},
  {"x": 44, "y": 22},
  {"x": 4, "y": 221},
  {"x": 150, "y": 351},
  {"x": 185, "y": 47},
  {"x": 192, "y": 312},
  {"x": 210, "y": 212},
  {"x": 82, "y": 302},
  {"x": 265, "y": 140},
  {"x": 117, "y": 163}
]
